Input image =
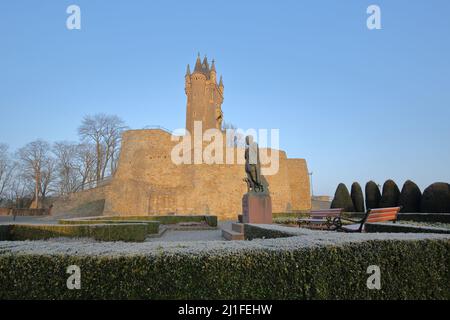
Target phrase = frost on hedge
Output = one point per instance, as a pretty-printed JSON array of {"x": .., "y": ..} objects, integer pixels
[{"x": 295, "y": 238}]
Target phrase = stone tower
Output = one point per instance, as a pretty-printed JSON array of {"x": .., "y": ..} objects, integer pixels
[{"x": 204, "y": 96}]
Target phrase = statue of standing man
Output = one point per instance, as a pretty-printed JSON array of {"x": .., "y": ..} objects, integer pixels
[
  {"x": 255, "y": 181},
  {"x": 256, "y": 203}
]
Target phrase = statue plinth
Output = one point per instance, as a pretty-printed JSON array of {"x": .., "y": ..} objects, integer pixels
[{"x": 256, "y": 208}]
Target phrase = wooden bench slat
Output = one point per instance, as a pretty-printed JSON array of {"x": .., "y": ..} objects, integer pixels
[
  {"x": 379, "y": 215},
  {"x": 380, "y": 219},
  {"x": 382, "y": 210},
  {"x": 383, "y": 214}
]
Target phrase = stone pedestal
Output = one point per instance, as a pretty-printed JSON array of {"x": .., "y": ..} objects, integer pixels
[{"x": 256, "y": 208}]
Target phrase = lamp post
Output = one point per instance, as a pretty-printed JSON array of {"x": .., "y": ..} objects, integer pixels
[{"x": 311, "y": 181}]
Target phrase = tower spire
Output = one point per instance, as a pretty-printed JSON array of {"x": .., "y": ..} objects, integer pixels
[
  {"x": 188, "y": 70},
  {"x": 198, "y": 64},
  {"x": 205, "y": 65}
]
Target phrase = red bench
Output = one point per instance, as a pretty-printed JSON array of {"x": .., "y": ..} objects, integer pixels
[
  {"x": 320, "y": 218},
  {"x": 373, "y": 215}
]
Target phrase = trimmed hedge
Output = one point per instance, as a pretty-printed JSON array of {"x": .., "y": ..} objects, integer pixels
[
  {"x": 436, "y": 198},
  {"x": 390, "y": 195},
  {"x": 425, "y": 217},
  {"x": 252, "y": 232},
  {"x": 402, "y": 228},
  {"x": 290, "y": 214},
  {"x": 418, "y": 269},
  {"x": 418, "y": 217},
  {"x": 210, "y": 220},
  {"x": 135, "y": 232},
  {"x": 373, "y": 195},
  {"x": 4, "y": 232},
  {"x": 357, "y": 197},
  {"x": 410, "y": 197},
  {"x": 342, "y": 199},
  {"x": 152, "y": 226}
]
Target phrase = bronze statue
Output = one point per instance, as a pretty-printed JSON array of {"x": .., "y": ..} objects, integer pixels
[{"x": 255, "y": 181}]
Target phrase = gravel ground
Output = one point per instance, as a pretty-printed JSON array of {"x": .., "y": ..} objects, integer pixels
[{"x": 301, "y": 238}]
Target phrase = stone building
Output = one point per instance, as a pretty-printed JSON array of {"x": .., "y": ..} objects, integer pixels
[{"x": 148, "y": 182}]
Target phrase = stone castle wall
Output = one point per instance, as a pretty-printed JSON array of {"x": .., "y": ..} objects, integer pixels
[
  {"x": 147, "y": 182},
  {"x": 79, "y": 200}
]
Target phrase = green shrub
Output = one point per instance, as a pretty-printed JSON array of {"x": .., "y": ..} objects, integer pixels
[
  {"x": 342, "y": 199},
  {"x": 152, "y": 226},
  {"x": 357, "y": 197},
  {"x": 417, "y": 269},
  {"x": 252, "y": 232},
  {"x": 211, "y": 220},
  {"x": 410, "y": 197},
  {"x": 4, "y": 232},
  {"x": 102, "y": 232},
  {"x": 373, "y": 195},
  {"x": 402, "y": 228},
  {"x": 285, "y": 220},
  {"x": 173, "y": 219},
  {"x": 436, "y": 198},
  {"x": 290, "y": 214},
  {"x": 425, "y": 217},
  {"x": 390, "y": 195}
]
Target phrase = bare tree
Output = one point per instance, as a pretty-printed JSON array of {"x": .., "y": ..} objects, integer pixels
[
  {"x": 20, "y": 187},
  {"x": 35, "y": 163},
  {"x": 104, "y": 131},
  {"x": 6, "y": 170},
  {"x": 112, "y": 134},
  {"x": 68, "y": 176},
  {"x": 48, "y": 177},
  {"x": 85, "y": 163}
]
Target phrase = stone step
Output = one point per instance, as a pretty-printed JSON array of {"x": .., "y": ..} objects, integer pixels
[
  {"x": 232, "y": 235},
  {"x": 237, "y": 227}
]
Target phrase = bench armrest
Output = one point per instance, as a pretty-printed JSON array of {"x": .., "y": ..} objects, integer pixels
[{"x": 352, "y": 220}]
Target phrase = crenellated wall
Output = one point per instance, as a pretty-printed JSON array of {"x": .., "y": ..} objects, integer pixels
[{"x": 147, "y": 182}]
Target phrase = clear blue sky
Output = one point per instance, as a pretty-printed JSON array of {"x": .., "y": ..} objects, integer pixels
[{"x": 357, "y": 104}]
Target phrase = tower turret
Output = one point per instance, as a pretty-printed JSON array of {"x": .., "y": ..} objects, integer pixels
[
  {"x": 212, "y": 73},
  {"x": 221, "y": 87},
  {"x": 187, "y": 80},
  {"x": 204, "y": 96}
]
